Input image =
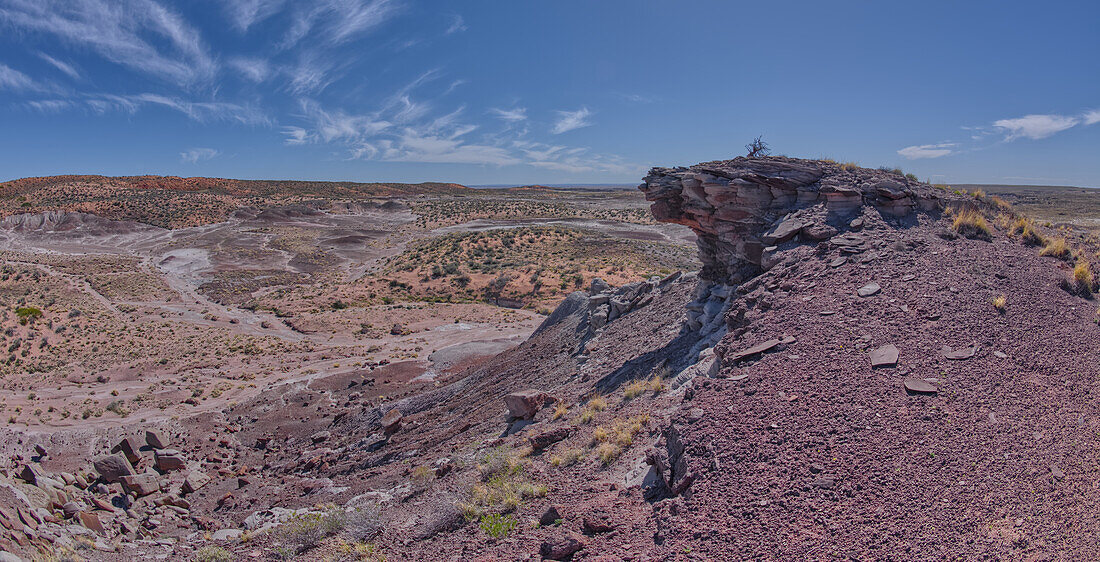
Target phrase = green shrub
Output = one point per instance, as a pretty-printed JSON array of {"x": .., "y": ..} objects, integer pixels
[
  {"x": 212, "y": 553},
  {"x": 498, "y": 526}
]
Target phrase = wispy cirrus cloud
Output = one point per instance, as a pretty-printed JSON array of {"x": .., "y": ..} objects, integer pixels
[
  {"x": 195, "y": 155},
  {"x": 928, "y": 150},
  {"x": 458, "y": 25},
  {"x": 139, "y": 34},
  {"x": 1091, "y": 117},
  {"x": 63, "y": 66},
  {"x": 12, "y": 79},
  {"x": 406, "y": 128},
  {"x": 336, "y": 21},
  {"x": 514, "y": 115},
  {"x": 245, "y": 13},
  {"x": 254, "y": 69},
  {"x": 571, "y": 120}
]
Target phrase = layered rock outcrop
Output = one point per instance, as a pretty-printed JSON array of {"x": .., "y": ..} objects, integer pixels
[{"x": 742, "y": 207}]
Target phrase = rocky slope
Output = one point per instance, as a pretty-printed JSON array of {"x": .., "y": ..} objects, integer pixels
[{"x": 836, "y": 383}]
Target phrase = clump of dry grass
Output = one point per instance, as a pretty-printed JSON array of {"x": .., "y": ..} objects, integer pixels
[
  {"x": 567, "y": 457},
  {"x": 1025, "y": 229},
  {"x": 972, "y": 224},
  {"x": 597, "y": 403},
  {"x": 1057, "y": 248},
  {"x": 635, "y": 389},
  {"x": 1082, "y": 276},
  {"x": 560, "y": 409},
  {"x": 610, "y": 441},
  {"x": 999, "y": 303}
]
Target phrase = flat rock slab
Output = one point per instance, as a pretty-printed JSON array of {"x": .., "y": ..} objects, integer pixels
[
  {"x": 869, "y": 289},
  {"x": 920, "y": 386},
  {"x": 754, "y": 350},
  {"x": 885, "y": 356},
  {"x": 838, "y": 262},
  {"x": 959, "y": 354}
]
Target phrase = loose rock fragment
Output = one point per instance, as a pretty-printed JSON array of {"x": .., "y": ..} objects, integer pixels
[
  {"x": 869, "y": 289},
  {"x": 920, "y": 386},
  {"x": 885, "y": 356}
]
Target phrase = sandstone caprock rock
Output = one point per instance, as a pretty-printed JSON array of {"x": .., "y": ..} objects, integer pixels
[{"x": 740, "y": 208}]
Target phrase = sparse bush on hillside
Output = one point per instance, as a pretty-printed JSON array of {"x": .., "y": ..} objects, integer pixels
[
  {"x": 1082, "y": 276},
  {"x": 308, "y": 529},
  {"x": 364, "y": 523},
  {"x": 1057, "y": 248},
  {"x": 213, "y": 553},
  {"x": 1025, "y": 229},
  {"x": 972, "y": 224},
  {"x": 498, "y": 526},
  {"x": 610, "y": 441}
]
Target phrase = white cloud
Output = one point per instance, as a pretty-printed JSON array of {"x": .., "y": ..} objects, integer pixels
[
  {"x": 245, "y": 13},
  {"x": 1092, "y": 117},
  {"x": 1035, "y": 126},
  {"x": 927, "y": 151},
  {"x": 61, "y": 65},
  {"x": 12, "y": 79},
  {"x": 50, "y": 106},
  {"x": 457, "y": 24},
  {"x": 336, "y": 21},
  {"x": 513, "y": 115},
  {"x": 569, "y": 120},
  {"x": 573, "y": 159},
  {"x": 194, "y": 155},
  {"x": 256, "y": 70},
  {"x": 406, "y": 128},
  {"x": 139, "y": 34},
  {"x": 204, "y": 111}
]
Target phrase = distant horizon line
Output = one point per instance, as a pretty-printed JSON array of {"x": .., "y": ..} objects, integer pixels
[{"x": 612, "y": 185}]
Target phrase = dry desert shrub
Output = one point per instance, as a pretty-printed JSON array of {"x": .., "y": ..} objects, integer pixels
[
  {"x": 1057, "y": 248},
  {"x": 972, "y": 224}
]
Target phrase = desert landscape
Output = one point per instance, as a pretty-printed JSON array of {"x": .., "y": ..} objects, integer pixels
[
  {"x": 755, "y": 358},
  {"x": 571, "y": 281}
]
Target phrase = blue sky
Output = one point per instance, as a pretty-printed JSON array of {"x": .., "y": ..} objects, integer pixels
[{"x": 546, "y": 92}]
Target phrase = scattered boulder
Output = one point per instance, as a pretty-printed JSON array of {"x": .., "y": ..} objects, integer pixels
[
  {"x": 549, "y": 516},
  {"x": 168, "y": 459},
  {"x": 156, "y": 439},
  {"x": 195, "y": 479},
  {"x": 547, "y": 438},
  {"x": 599, "y": 521},
  {"x": 71, "y": 509},
  {"x": 140, "y": 484},
  {"x": 391, "y": 422},
  {"x": 113, "y": 467},
  {"x": 129, "y": 448},
  {"x": 561, "y": 547},
  {"x": 31, "y": 474},
  {"x": 525, "y": 403},
  {"x": 91, "y": 521}
]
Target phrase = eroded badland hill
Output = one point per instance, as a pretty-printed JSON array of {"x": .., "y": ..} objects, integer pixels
[{"x": 777, "y": 359}]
